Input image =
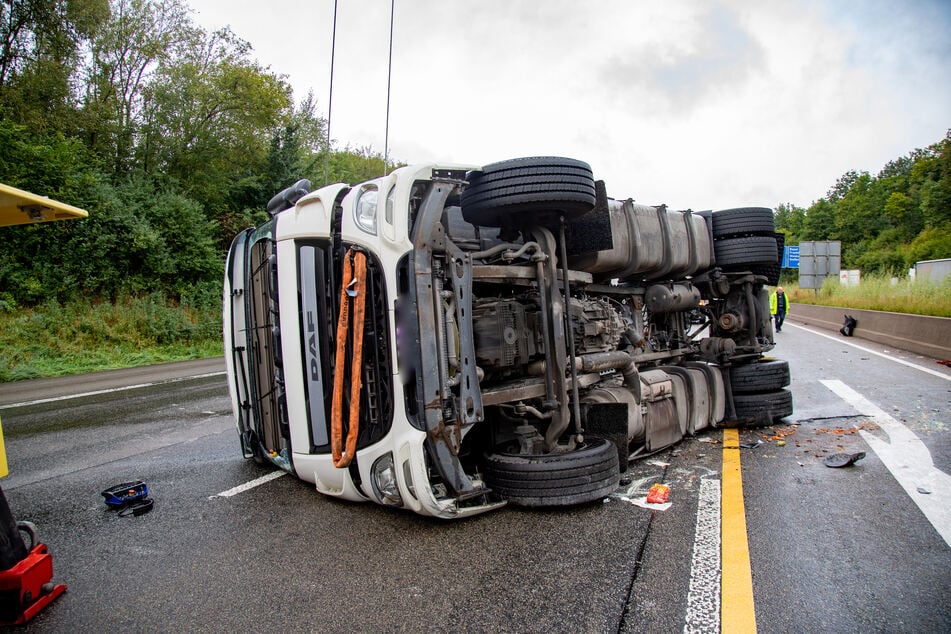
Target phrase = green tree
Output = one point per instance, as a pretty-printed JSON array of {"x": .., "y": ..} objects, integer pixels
[
  {"x": 842, "y": 186},
  {"x": 298, "y": 148},
  {"x": 40, "y": 44},
  {"x": 933, "y": 243},
  {"x": 898, "y": 209},
  {"x": 819, "y": 222},
  {"x": 935, "y": 172},
  {"x": 139, "y": 36},
  {"x": 858, "y": 213},
  {"x": 210, "y": 116},
  {"x": 356, "y": 164},
  {"x": 790, "y": 220}
]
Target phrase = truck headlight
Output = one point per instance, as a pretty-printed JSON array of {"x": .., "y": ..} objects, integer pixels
[
  {"x": 365, "y": 211},
  {"x": 383, "y": 479}
]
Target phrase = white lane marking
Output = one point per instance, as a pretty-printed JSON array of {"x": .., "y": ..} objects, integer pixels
[
  {"x": 937, "y": 373},
  {"x": 703, "y": 597},
  {"x": 108, "y": 391},
  {"x": 907, "y": 458},
  {"x": 241, "y": 488}
]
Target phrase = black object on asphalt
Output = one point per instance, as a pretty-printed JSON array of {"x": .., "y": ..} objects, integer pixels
[
  {"x": 138, "y": 508},
  {"x": 843, "y": 459}
]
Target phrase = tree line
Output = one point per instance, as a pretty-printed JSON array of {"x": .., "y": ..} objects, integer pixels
[
  {"x": 173, "y": 137},
  {"x": 886, "y": 222}
]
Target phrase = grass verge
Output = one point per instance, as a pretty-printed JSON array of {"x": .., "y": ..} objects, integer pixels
[
  {"x": 56, "y": 339},
  {"x": 880, "y": 292}
]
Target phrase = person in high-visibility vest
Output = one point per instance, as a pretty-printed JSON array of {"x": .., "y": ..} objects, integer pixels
[{"x": 778, "y": 307}]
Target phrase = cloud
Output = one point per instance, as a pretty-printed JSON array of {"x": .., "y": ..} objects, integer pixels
[
  {"x": 692, "y": 103},
  {"x": 714, "y": 53}
]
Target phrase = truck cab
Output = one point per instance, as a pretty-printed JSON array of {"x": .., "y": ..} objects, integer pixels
[{"x": 452, "y": 338}]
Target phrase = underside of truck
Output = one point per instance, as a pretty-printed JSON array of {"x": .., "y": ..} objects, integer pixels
[{"x": 545, "y": 332}]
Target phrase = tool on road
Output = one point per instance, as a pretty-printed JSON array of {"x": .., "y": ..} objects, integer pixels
[
  {"x": 126, "y": 493},
  {"x": 131, "y": 498}
]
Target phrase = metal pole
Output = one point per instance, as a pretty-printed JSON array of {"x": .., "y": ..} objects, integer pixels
[
  {"x": 330, "y": 98},
  {"x": 389, "y": 75}
]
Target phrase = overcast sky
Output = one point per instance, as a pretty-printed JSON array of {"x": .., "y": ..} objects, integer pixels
[{"x": 697, "y": 104}]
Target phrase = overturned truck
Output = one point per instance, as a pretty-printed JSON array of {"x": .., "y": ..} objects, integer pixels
[{"x": 449, "y": 339}]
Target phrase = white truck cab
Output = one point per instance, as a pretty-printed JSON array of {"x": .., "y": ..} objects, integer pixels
[{"x": 452, "y": 338}]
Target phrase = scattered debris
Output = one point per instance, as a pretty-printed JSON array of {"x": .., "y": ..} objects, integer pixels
[
  {"x": 924, "y": 490},
  {"x": 751, "y": 445},
  {"x": 628, "y": 495},
  {"x": 641, "y": 502},
  {"x": 780, "y": 435},
  {"x": 658, "y": 494},
  {"x": 841, "y": 430},
  {"x": 838, "y": 460},
  {"x": 658, "y": 463},
  {"x": 945, "y": 362},
  {"x": 708, "y": 439}
]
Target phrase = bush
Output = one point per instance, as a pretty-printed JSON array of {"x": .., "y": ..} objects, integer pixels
[
  {"x": 82, "y": 336},
  {"x": 931, "y": 244}
]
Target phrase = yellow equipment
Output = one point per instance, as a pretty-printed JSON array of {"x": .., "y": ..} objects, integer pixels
[{"x": 18, "y": 207}]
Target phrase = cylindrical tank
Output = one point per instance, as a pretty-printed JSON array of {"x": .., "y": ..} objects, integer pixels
[{"x": 671, "y": 298}]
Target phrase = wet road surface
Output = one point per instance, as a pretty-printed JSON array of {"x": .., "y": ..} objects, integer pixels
[{"x": 845, "y": 550}]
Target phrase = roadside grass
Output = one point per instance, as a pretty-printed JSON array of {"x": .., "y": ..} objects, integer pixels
[
  {"x": 84, "y": 336},
  {"x": 878, "y": 292}
]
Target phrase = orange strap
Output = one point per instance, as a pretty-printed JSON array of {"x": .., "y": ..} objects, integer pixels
[{"x": 354, "y": 288}]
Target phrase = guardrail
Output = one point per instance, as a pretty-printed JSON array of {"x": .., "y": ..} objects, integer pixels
[{"x": 930, "y": 336}]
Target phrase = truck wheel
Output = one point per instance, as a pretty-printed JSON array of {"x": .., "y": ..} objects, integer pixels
[
  {"x": 745, "y": 252},
  {"x": 772, "y": 271},
  {"x": 763, "y": 408},
  {"x": 744, "y": 221},
  {"x": 542, "y": 183},
  {"x": 760, "y": 376},
  {"x": 583, "y": 475}
]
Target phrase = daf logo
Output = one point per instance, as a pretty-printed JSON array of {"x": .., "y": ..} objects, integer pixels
[{"x": 312, "y": 348}]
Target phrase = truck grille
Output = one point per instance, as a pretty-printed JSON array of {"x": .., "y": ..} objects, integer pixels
[{"x": 320, "y": 273}]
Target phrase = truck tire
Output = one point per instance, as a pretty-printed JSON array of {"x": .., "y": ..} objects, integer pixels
[
  {"x": 765, "y": 375},
  {"x": 746, "y": 252},
  {"x": 744, "y": 221},
  {"x": 763, "y": 408},
  {"x": 584, "y": 475},
  {"x": 541, "y": 183},
  {"x": 772, "y": 271}
]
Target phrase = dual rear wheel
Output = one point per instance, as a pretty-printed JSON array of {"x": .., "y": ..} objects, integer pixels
[{"x": 759, "y": 394}]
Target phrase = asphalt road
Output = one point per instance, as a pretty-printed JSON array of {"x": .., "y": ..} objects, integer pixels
[{"x": 844, "y": 550}]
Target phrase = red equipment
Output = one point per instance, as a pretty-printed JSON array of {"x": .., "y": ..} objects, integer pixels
[{"x": 26, "y": 588}]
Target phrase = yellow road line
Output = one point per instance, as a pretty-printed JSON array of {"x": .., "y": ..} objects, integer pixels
[{"x": 736, "y": 585}]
